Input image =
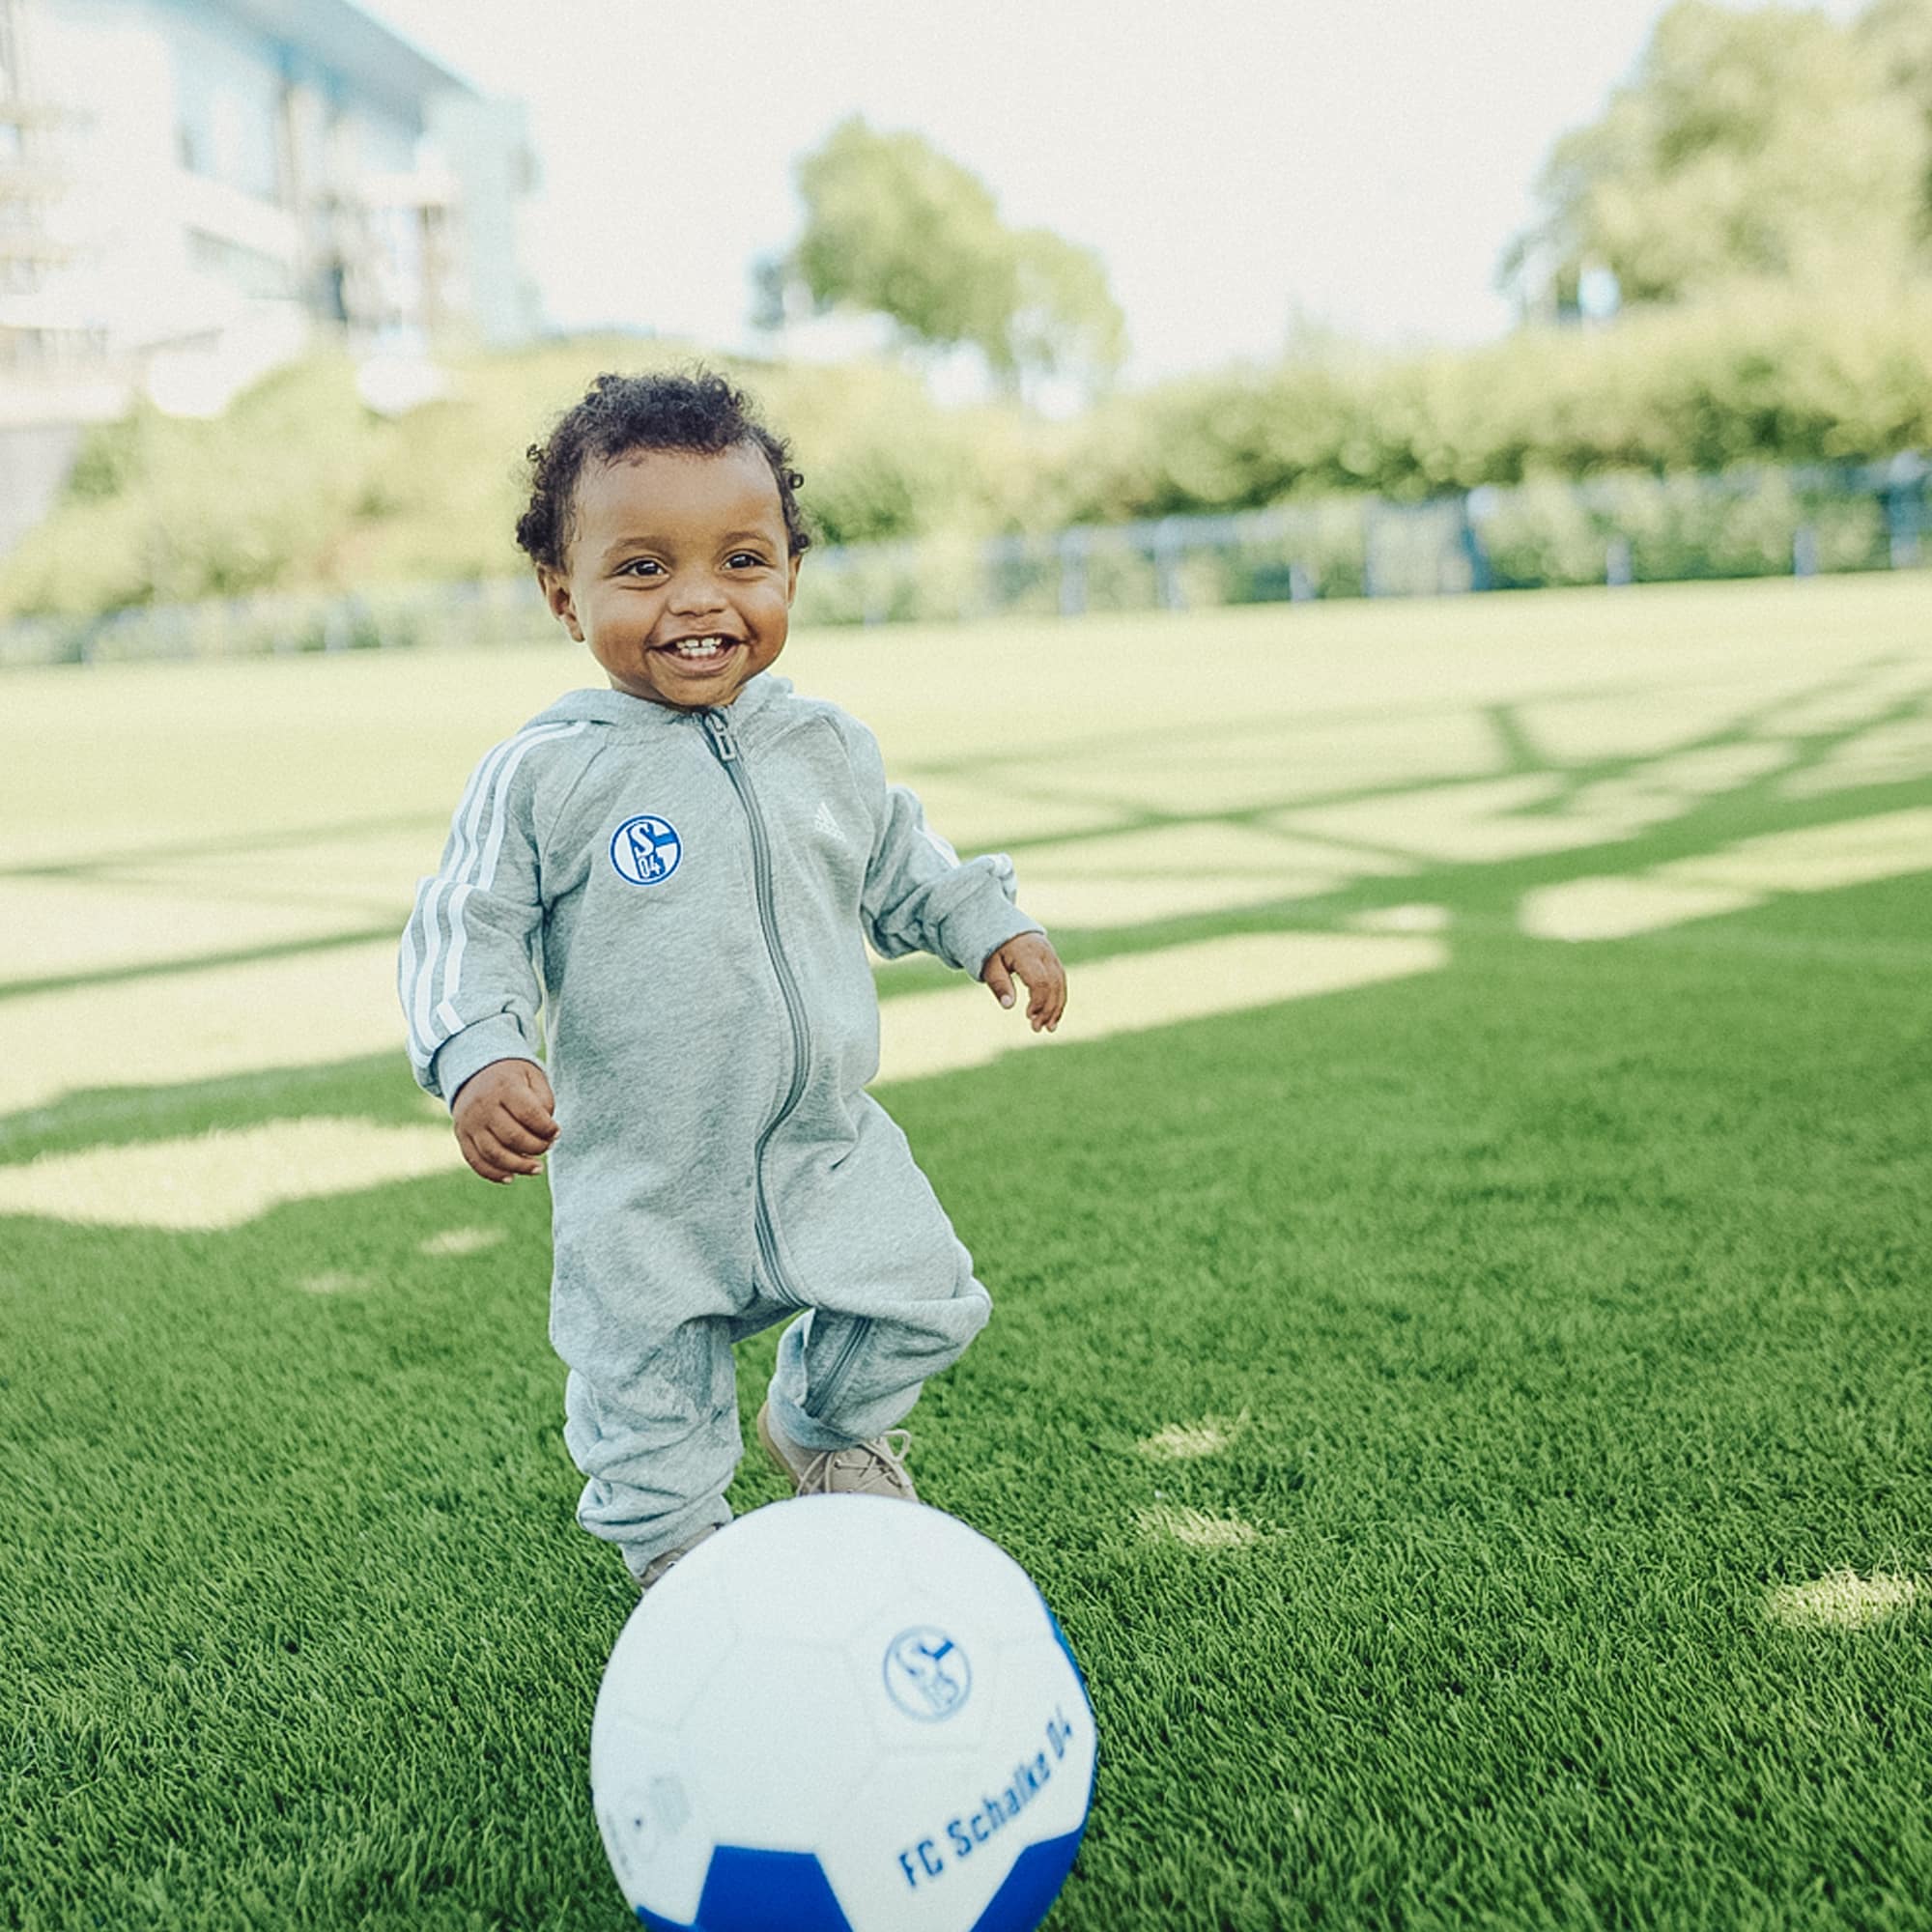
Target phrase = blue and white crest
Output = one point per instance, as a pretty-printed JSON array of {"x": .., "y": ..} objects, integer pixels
[
  {"x": 646, "y": 850},
  {"x": 926, "y": 1673}
]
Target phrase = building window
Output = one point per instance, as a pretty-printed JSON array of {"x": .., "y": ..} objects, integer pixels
[{"x": 228, "y": 110}]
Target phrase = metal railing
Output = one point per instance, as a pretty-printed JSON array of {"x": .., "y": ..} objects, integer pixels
[{"x": 1611, "y": 529}]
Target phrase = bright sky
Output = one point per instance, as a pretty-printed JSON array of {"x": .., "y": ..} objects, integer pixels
[{"x": 1236, "y": 162}]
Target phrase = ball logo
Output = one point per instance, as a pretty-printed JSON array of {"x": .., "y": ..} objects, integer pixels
[
  {"x": 926, "y": 1673},
  {"x": 646, "y": 850}
]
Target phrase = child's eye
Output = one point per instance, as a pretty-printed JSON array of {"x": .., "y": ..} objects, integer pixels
[
  {"x": 639, "y": 566},
  {"x": 743, "y": 559}
]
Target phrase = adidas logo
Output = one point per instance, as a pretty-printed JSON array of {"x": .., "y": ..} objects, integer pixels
[{"x": 823, "y": 821}]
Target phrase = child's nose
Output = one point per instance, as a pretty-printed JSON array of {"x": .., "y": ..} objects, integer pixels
[{"x": 693, "y": 591}]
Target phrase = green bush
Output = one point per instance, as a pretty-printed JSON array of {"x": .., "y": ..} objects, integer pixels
[
  {"x": 300, "y": 488},
  {"x": 1761, "y": 377}
]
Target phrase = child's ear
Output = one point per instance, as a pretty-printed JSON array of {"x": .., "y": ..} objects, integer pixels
[
  {"x": 557, "y": 594},
  {"x": 791, "y": 576}
]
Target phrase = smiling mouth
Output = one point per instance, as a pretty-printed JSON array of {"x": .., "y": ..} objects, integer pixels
[{"x": 699, "y": 650}]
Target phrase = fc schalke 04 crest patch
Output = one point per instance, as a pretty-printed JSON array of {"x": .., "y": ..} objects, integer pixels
[
  {"x": 646, "y": 850},
  {"x": 926, "y": 1673}
]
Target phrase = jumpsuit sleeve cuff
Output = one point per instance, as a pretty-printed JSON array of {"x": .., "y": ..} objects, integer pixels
[
  {"x": 986, "y": 921},
  {"x": 476, "y": 1047}
]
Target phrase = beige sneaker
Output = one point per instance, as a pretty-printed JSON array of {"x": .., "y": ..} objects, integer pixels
[
  {"x": 874, "y": 1468},
  {"x": 658, "y": 1565}
]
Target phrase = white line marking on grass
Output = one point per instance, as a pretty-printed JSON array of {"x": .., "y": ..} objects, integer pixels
[
  {"x": 335, "y": 1004},
  {"x": 1841, "y": 1600},
  {"x": 1194, "y": 1527},
  {"x": 454, "y": 1244},
  {"x": 222, "y": 1178},
  {"x": 939, "y": 1032}
]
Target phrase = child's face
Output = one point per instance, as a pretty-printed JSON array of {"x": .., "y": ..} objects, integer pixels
[{"x": 672, "y": 547}]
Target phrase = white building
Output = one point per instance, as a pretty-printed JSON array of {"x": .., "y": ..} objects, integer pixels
[{"x": 191, "y": 189}]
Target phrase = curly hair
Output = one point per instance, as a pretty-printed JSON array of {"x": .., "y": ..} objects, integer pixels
[{"x": 700, "y": 413}]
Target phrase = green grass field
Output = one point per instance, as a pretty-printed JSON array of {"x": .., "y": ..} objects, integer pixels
[{"x": 1464, "y": 1320}]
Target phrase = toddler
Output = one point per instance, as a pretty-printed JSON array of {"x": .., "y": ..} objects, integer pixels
[{"x": 682, "y": 871}]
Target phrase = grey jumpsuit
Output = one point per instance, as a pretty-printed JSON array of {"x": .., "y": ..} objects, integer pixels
[{"x": 686, "y": 895}]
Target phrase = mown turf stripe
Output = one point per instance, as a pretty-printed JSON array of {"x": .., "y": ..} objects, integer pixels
[
  {"x": 924, "y": 1033},
  {"x": 292, "y": 1011},
  {"x": 225, "y": 1177}
]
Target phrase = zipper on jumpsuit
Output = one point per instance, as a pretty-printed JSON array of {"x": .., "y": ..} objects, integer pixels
[{"x": 726, "y": 747}]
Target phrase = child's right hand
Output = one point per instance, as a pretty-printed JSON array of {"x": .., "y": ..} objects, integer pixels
[{"x": 505, "y": 1119}]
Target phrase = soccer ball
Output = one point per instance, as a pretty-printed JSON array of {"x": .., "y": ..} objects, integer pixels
[{"x": 842, "y": 1714}]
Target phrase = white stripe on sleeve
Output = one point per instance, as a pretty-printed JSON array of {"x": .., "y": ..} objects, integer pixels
[
  {"x": 499, "y": 818},
  {"x": 485, "y": 793},
  {"x": 462, "y": 850}
]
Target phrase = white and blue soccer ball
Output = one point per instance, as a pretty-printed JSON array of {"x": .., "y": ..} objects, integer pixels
[{"x": 842, "y": 1714}]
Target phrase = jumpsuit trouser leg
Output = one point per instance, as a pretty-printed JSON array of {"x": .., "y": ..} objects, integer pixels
[
  {"x": 894, "y": 1296},
  {"x": 849, "y": 1372},
  {"x": 657, "y": 1469},
  {"x": 658, "y": 1456}
]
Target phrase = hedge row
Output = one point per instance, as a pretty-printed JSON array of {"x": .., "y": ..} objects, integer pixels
[
  {"x": 1758, "y": 377},
  {"x": 1622, "y": 526},
  {"x": 300, "y": 488}
]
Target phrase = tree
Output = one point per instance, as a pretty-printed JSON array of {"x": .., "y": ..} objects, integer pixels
[
  {"x": 1064, "y": 320},
  {"x": 1898, "y": 34},
  {"x": 1770, "y": 143},
  {"x": 892, "y": 227}
]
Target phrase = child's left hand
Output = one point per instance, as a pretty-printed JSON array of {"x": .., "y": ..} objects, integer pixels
[{"x": 1032, "y": 958}]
